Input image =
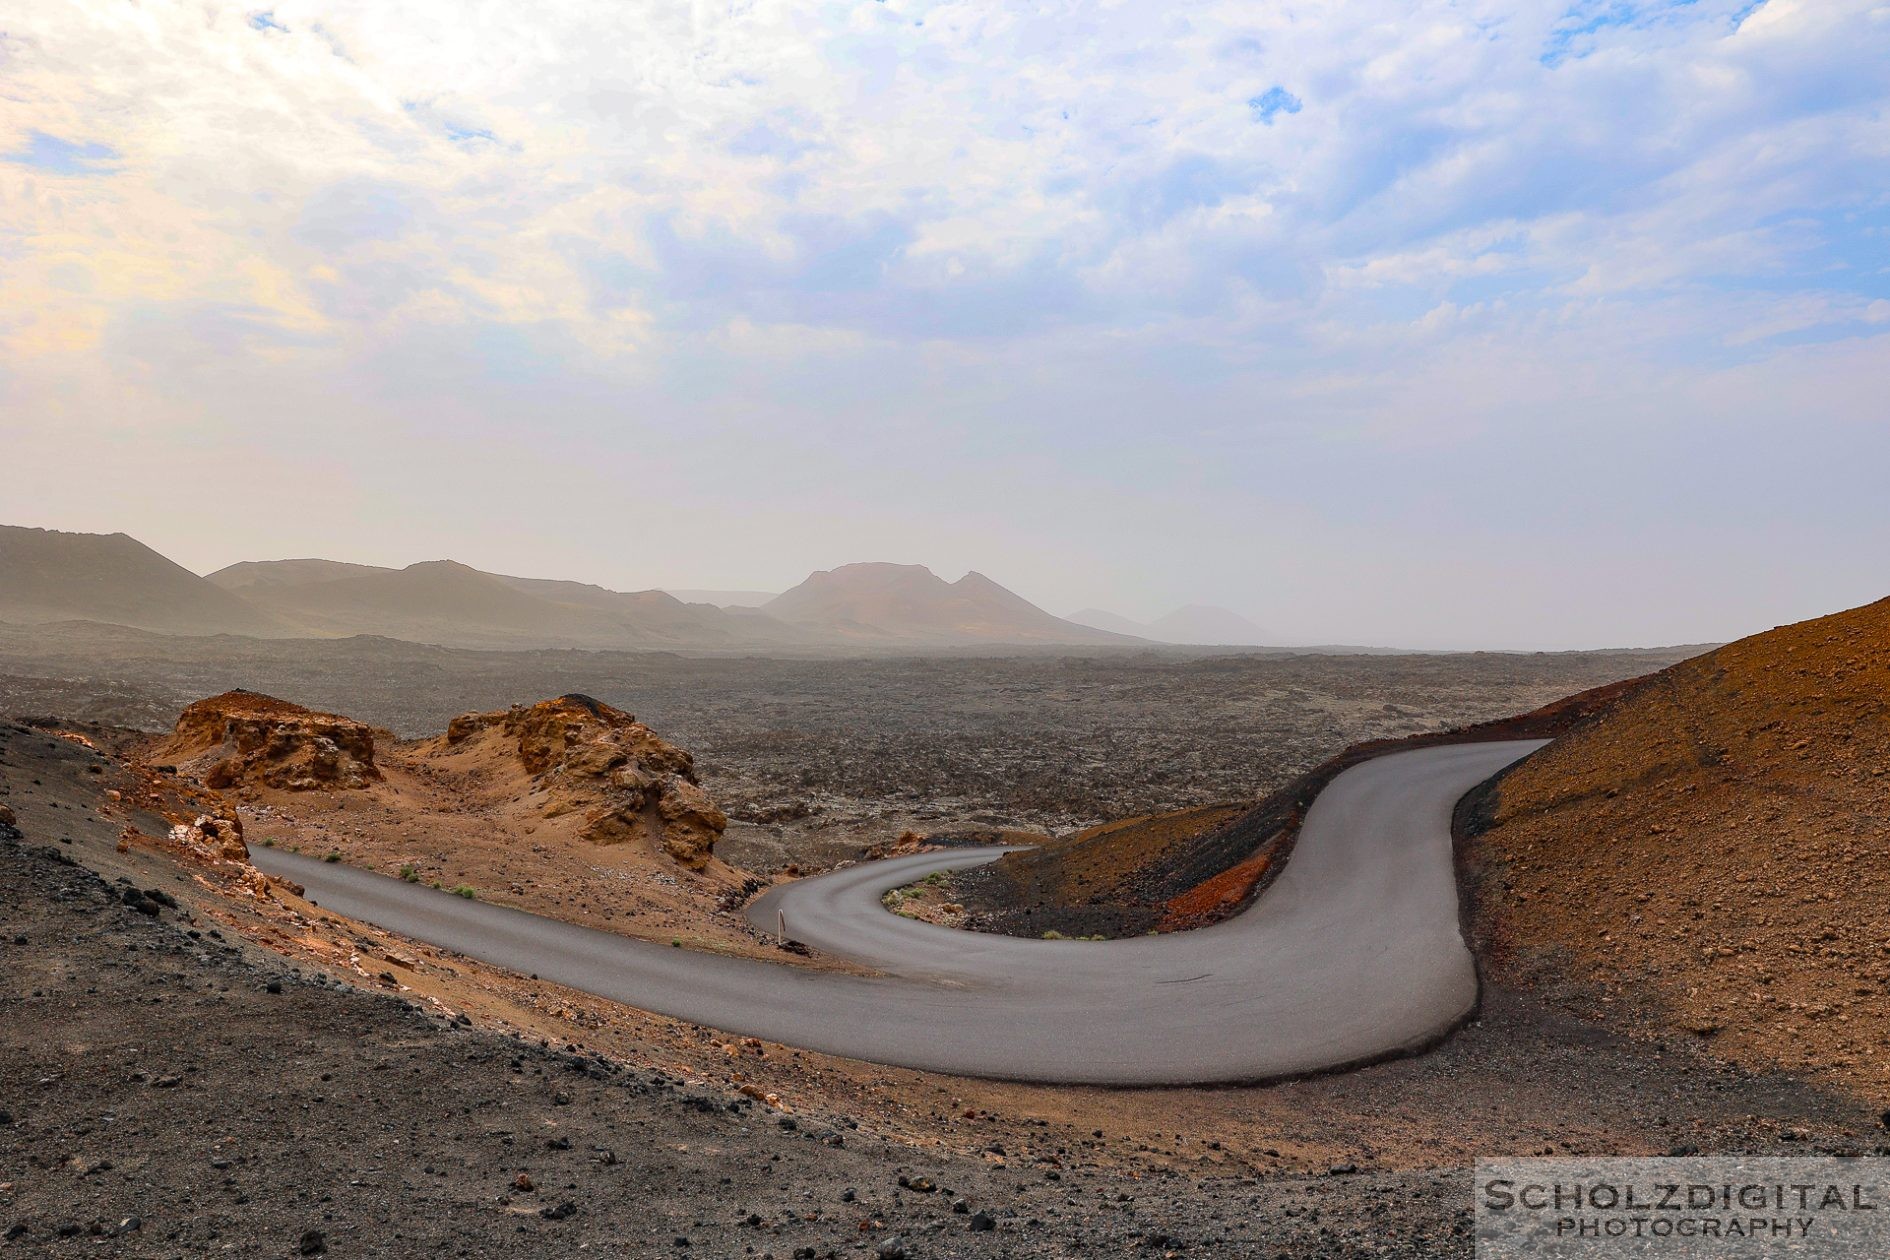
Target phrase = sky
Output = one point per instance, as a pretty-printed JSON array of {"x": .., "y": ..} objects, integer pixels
[{"x": 1480, "y": 324}]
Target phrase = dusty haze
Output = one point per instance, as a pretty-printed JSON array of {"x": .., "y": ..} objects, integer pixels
[{"x": 1511, "y": 325}]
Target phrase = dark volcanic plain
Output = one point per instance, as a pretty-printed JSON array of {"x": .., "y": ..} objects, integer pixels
[
  {"x": 814, "y": 758},
  {"x": 170, "y": 1092}
]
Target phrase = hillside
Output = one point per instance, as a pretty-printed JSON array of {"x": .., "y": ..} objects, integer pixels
[
  {"x": 445, "y": 602},
  {"x": 909, "y": 603},
  {"x": 1712, "y": 853},
  {"x": 1207, "y": 624},
  {"x": 660, "y": 617},
  {"x": 47, "y": 575},
  {"x": 248, "y": 575},
  {"x": 437, "y": 601}
]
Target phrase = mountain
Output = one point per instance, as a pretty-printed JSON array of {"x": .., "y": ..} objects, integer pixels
[
  {"x": 437, "y": 601},
  {"x": 445, "y": 602},
  {"x": 47, "y": 575},
  {"x": 725, "y": 599},
  {"x": 1712, "y": 852},
  {"x": 1115, "y": 623},
  {"x": 1206, "y": 624},
  {"x": 1198, "y": 624},
  {"x": 250, "y": 574},
  {"x": 908, "y": 603},
  {"x": 660, "y": 616}
]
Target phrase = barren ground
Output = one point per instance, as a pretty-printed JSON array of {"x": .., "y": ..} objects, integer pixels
[
  {"x": 1712, "y": 855},
  {"x": 814, "y": 759},
  {"x": 152, "y": 1073}
]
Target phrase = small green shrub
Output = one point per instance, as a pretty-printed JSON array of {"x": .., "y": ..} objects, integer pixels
[
  {"x": 409, "y": 874},
  {"x": 334, "y": 855},
  {"x": 467, "y": 891}
]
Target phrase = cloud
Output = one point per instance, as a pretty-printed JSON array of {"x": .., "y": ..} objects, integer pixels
[{"x": 1238, "y": 227}]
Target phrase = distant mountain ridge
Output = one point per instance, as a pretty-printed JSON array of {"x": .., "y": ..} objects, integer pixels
[
  {"x": 723, "y": 599},
  {"x": 48, "y": 576},
  {"x": 445, "y": 602},
  {"x": 880, "y": 602}
]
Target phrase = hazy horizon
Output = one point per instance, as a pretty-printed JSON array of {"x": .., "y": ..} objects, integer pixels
[{"x": 1502, "y": 325}]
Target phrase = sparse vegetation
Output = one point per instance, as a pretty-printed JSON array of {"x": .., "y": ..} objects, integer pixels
[
  {"x": 467, "y": 891},
  {"x": 409, "y": 874},
  {"x": 334, "y": 855}
]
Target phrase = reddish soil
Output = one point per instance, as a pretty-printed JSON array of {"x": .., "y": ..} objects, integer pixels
[
  {"x": 568, "y": 807},
  {"x": 1712, "y": 853}
]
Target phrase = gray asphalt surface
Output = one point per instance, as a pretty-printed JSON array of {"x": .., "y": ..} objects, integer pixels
[{"x": 1354, "y": 953}]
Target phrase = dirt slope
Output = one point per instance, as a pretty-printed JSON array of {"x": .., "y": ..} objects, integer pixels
[
  {"x": 445, "y": 602},
  {"x": 47, "y": 575},
  {"x": 1712, "y": 853}
]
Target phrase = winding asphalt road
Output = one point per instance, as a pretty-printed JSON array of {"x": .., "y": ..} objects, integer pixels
[{"x": 1354, "y": 953}]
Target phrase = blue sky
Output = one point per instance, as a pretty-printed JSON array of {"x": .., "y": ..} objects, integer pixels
[{"x": 1462, "y": 324}]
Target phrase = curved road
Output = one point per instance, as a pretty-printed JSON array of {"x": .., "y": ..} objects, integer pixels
[{"x": 1354, "y": 953}]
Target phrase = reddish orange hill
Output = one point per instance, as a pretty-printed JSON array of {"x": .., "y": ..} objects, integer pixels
[
  {"x": 569, "y": 807},
  {"x": 1712, "y": 853}
]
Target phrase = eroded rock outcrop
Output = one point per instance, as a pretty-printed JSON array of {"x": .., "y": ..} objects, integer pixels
[
  {"x": 215, "y": 837},
  {"x": 244, "y": 738},
  {"x": 589, "y": 758}
]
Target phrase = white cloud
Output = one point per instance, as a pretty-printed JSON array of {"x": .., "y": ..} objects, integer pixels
[{"x": 903, "y": 224}]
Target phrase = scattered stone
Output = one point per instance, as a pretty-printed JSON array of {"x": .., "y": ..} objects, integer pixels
[
  {"x": 564, "y": 1211},
  {"x": 314, "y": 1243},
  {"x": 891, "y": 1247},
  {"x": 982, "y": 1222}
]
